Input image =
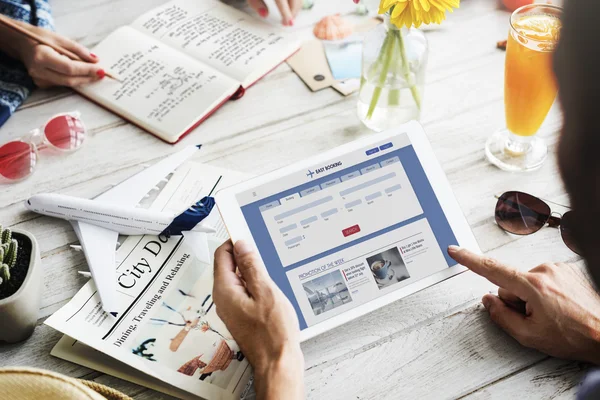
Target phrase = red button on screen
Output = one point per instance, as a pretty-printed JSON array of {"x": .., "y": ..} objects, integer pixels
[{"x": 351, "y": 231}]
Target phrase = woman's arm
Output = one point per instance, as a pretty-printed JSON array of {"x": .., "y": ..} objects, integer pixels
[{"x": 45, "y": 66}]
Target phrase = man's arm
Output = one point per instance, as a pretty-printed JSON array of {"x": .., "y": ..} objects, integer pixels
[
  {"x": 552, "y": 308},
  {"x": 261, "y": 320}
]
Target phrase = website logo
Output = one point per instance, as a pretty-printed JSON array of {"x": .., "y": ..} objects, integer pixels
[
  {"x": 310, "y": 174},
  {"x": 328, "y": 167}
]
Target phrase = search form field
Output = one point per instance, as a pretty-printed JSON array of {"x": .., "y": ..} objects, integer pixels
[
  {"x": 367, "y": 184},
  {"x": 373, "y": 201},
  {"x": 305, "y": 207}
]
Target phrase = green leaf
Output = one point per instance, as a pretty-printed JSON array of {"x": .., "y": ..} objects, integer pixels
[{"x": 1, "y": 255}]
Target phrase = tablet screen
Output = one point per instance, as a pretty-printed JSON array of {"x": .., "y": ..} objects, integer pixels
[{"x": 349, "y": 231}]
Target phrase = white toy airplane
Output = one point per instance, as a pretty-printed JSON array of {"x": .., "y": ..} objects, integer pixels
[{"x": 99, "y": 222}]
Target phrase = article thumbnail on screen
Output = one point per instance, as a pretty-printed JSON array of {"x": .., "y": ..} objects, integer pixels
[{"x": 327, "y": 292}]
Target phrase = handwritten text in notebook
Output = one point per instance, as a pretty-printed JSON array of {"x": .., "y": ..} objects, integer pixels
[{"x": 179, "y": 62}]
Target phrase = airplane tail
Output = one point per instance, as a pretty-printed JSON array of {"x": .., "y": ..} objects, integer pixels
[{"x": 187, "y": 220}]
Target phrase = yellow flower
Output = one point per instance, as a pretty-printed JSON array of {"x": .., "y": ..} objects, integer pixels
[{"x": 410, "y": 13}]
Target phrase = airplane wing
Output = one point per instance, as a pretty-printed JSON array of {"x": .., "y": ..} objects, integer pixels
[
  {"x": 132, "y": 190},
  {"x": 99, "y": 246}
]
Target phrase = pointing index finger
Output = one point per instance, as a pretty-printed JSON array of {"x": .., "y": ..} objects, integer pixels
[{"x": 499, "y": 274}]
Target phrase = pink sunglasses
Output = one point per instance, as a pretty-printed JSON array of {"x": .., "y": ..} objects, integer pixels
[{"x": 63, "y": 132}]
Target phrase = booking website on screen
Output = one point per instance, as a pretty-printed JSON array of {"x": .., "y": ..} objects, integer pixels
[{"x": 344, "y": 233}]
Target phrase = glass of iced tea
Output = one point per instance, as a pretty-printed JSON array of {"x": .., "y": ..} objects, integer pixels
[{"x": 529, "y": 88}]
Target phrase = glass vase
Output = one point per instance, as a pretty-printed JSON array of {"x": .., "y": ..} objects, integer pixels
[{"x": 393, "y": 76}]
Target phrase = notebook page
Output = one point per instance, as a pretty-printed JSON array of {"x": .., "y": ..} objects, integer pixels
[
  {"x": 221, "y": 36},
  {"x": 159, "y": 89}
]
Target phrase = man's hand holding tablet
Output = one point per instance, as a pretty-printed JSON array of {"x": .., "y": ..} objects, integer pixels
[
  {"x": 261, "y": 319},
  {"x": 351, "y": 230}
]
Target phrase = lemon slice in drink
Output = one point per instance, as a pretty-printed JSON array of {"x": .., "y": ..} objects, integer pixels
[{"x": 542, "y": 28}]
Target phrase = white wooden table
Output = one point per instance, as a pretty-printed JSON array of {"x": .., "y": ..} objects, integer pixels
[{"x": 439, "y": 343}]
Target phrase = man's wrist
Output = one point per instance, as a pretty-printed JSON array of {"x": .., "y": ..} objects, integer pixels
[{"x": 283, "y": 375}]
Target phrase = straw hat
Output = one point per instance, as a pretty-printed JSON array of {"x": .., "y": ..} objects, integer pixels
[{"x": 21, "y": 383}]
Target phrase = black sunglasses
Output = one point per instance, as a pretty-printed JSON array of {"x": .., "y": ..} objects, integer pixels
[{"x": 523, "y": 214}]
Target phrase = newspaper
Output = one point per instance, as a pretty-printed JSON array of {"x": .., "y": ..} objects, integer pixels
[{"x": 168, "y": 328}]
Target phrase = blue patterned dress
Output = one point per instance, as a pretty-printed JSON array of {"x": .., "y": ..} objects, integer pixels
[{"x": 15, "y": 83}]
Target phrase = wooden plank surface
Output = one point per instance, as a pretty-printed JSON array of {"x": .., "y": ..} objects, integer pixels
[{"x": 438, "y": 343}]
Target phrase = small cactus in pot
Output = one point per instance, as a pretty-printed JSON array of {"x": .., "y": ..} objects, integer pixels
[
  {"x": 8, "y": 254},
  {"x": 20, "y": 284}
]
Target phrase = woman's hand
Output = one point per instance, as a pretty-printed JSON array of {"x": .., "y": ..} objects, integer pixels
[
  {"x": 552, "y": 308},
  {"x": 261, "y": 320},
  {"x": 47, "y": 67},
  {"x": 287, "y": 8}
]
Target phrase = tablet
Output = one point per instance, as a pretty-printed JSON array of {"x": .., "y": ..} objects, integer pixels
[{"x": 353, "y": 229}]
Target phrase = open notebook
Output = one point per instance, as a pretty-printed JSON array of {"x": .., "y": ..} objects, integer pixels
[{"x": 178, "y": 63}]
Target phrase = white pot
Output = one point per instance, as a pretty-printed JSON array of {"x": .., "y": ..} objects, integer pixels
[{"x": 19, "y": 312}]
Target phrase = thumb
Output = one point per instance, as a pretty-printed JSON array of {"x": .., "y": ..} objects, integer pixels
[
  {"x": 250, "y": 266},
  {"x": 511, "y": 321},
  {"x": 260, "y": 7}
]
